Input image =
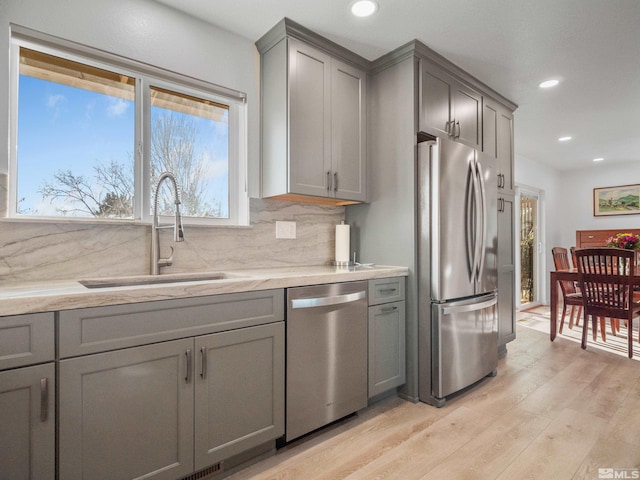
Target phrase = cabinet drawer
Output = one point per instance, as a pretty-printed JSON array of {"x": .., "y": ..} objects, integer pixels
[
  {"x": 598, "y": 238},
  {"x": 26, "y": 339},
  {"x": 384, "y": 290},
  {"x": 99, "y": 329}
]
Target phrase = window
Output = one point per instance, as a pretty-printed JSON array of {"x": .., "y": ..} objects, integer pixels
[{"x": 91, "y": 137}]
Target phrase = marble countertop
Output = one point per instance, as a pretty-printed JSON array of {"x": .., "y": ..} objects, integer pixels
[{"x": 68, "y": 294}]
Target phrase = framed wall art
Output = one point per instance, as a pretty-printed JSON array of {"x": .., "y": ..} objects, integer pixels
[{"x": 621, "y": 200}]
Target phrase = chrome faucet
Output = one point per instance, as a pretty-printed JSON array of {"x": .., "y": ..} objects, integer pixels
[{"x": 178, "y": 234}]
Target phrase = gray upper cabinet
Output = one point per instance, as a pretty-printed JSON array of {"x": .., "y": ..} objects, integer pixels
[
  {"x": 309, "y": 120},
  {"x": 497, "y": 141},
  {"x": 27, "y": 423},
  {"x": 449, "y": 107},
  {"x": 313, "y": 119}
]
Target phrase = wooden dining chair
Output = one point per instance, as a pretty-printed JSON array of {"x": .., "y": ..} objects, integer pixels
[
  {"x": 606, "y": 278},
  {"x": 574, "y": 260},
  {"x": 570, "y": 296}
]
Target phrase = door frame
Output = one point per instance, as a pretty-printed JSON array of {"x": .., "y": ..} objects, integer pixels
[{"x": 540, "y": 290}]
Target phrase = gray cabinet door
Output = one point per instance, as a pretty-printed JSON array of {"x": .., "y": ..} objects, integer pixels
[
  {"x": 309, "y": 120},
  {"x": 497, "y": 141},
  {"x": 239, "y": 388},
  {"x": 127, "y": 414},
  {"x": 467, "y": 111},
  {"x": 490, "y": 129},
  {"x": 450, "y": 108},
  {"x": 348, "y": 132},
  {"x": 27, "y": 423},
  {"x": 386, "y": 347},
  {"x": 506, "y": 271},
  {"x": 505, "y": 151},
  {"x": 435, "y": 111}
]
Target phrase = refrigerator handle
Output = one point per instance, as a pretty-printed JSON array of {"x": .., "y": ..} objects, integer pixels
[
  {"x": 448, "y": 310},
  {"x": 483, "y": 218},
  {"x": 471, "y": 227}
]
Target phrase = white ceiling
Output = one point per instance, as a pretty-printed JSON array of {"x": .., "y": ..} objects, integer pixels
[{"x": 591, "y": 46}]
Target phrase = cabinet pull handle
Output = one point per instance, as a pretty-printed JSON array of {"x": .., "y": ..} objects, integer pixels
[
  {"x": 447, "y": 127},
  {"x": 328, "y": 181},
  {"x": 335, "y": 182},
  {"x": 203, "y": 369},
  {"x": 44, "y": 399},
  {"x": 499, "y": 180},
  {"x": 388, "y": 309},
  {"x": 187, "y": 376},
  {"x": 457, "y": 130},
  {"x": 387, "y": 290}
]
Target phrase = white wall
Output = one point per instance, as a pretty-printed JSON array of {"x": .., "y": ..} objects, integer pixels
[
  {"x": 145, "y": 31},
  {"x": 567, "y": 201},
  {"x": 576, "y": 197}
]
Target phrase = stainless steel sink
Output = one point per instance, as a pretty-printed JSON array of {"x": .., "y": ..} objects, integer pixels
[{"x": 159, "y": 279}]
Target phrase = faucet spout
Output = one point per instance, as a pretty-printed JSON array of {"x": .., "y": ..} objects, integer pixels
[{"x": 178, "y": 232}]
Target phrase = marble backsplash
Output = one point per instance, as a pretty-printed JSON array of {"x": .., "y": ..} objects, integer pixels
[{"x": 40, "y": 251}]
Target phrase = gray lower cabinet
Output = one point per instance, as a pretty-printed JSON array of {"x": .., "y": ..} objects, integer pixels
[
  {"x": 239, "y": 388},
  {"x": 27, "y": 397},
  {"x": 127, "y": 414},
  {"x": 387, "y": 319},
  {"x": 165, "y": 410},
  {"x": 27, "y": 423},
  {"x": 506, "y": 272},
  {"x": 204, "y": 383}
]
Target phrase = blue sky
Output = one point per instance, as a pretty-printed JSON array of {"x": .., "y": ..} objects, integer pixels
[{"x": 67, "y": 128}]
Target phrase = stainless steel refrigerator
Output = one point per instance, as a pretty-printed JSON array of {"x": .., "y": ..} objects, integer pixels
[{"x": 457, "y": 267}]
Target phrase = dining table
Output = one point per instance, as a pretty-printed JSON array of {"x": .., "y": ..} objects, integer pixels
[{"x": 571, "y": 275}]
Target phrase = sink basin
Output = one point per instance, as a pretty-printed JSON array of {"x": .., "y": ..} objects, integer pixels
[{"x": 158, "y": 279}]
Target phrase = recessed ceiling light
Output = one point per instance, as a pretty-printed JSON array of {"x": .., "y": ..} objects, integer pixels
[
  {"x": 364, "y": 8},
  {"x": 599, "y": 159},
  {"x": 549, "y": 83},
  {"x": 565, "y": 139}
]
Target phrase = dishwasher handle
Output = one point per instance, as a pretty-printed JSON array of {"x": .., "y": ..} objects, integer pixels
[{"x": 326, "y": 301}]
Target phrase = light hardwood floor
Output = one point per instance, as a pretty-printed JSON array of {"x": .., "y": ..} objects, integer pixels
[{"x": 553, "y": 412}]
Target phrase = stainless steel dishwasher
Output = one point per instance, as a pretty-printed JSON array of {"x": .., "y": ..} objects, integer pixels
[{"x": 326, "y": 354}]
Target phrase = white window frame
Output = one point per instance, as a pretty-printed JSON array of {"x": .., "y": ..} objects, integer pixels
[{"x": 146, "y": 76}]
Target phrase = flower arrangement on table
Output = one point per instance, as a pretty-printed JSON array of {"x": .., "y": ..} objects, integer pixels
[{"x": 626, "y": 241}]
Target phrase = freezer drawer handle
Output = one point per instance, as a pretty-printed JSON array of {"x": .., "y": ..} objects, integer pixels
[
  {"x": 470, "y": 308},
  {"x": 325, "y": 301}
]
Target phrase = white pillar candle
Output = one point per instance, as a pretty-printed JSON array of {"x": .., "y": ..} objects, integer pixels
[{"x": 342, "y": 242}]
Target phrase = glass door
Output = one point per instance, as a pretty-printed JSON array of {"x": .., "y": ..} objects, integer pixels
[{"x": 529, "y": 248}]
